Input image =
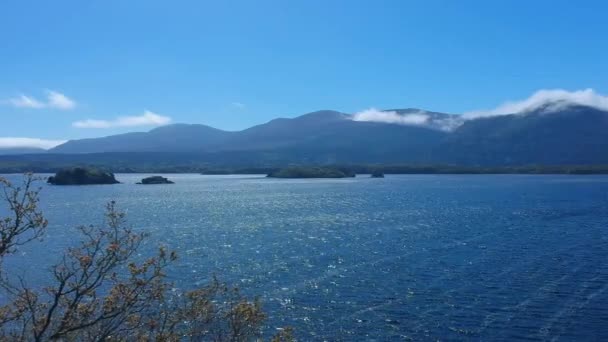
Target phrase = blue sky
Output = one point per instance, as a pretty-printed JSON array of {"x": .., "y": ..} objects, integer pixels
[{"x": 75, "y": 69}]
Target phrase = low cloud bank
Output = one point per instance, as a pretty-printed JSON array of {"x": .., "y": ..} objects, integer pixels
[
  {"x": 375, "y": 115},
  {"x": 146, "y": 119},
  {"x": 547, "y": 100},
  {"x": 412, "y": 118},
  {"x": 11, "y": 142},
  {"x": 550, "y": 100}
]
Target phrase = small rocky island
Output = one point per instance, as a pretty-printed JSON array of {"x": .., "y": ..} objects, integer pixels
[
  {"x": 311, "y": 172},
  {"x": 82, "y": 176},
  {"x": 377, "y": 174},
  {"x": 155, "y": 180}
]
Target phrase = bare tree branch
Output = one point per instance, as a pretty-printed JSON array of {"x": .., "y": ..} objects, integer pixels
[{"x": 102, "y": 292}]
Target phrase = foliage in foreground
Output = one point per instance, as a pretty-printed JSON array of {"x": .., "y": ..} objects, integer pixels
[{"x": 101, "y": 292}]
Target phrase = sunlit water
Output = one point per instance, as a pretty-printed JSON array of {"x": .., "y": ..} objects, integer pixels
[{"x": 443, "y": 257}]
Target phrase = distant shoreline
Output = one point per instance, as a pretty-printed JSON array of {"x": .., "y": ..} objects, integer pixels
[{"x": 356, "y": 169}]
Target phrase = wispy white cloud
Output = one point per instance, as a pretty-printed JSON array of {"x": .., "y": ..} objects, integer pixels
[
  {"x": 12, "y": 142},
  {"x": 146, "y": 119},
  {"x": 550, "y": 100},
  {"x": 59, "y": 101},
  {"x": 238, "y": 105},
  {"x": 23, "y": 101},
  {"x": 54, "y": 100},
  {"x": 375, "y": 115}
]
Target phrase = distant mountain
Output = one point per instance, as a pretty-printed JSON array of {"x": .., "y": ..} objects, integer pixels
[
  {"x": 323, "y": 136},
  {"x": 171, "y": 138},
  {"x": 550, "y": 135},
  {"x": 571, "y": 135},
  {"x": 280, "y": 133}
]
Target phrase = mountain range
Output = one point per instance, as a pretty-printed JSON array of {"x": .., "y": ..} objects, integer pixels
[{"x": 567, "y": 134}]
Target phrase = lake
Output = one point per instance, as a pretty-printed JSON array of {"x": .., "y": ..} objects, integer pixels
[{"x": 450, "y": 257}]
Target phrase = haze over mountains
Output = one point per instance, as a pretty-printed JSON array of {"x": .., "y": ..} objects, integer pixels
[
  {"x": 549, "y": 133},
  {"x": 21, "y": 150}
]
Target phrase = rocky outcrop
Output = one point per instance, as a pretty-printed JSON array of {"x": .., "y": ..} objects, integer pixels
[
  {"x": 82, "y": 176},
  {"x": 155, "y": 180}
]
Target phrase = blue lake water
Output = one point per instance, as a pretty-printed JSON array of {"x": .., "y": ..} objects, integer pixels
[{"x": 481, "y": 257}]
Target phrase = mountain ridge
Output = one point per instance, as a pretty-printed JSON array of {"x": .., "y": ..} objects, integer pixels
[{"x": 547, "y": 135}]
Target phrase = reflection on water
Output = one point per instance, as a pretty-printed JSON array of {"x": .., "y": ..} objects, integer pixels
[{"x": 442, "y": 257}]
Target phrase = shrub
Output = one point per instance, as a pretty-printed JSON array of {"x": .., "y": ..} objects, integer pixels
[{"x": 99, "y": 292}]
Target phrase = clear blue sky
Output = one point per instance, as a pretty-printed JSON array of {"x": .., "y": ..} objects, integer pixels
[{"x": 232, "y": 64}]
